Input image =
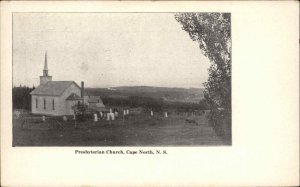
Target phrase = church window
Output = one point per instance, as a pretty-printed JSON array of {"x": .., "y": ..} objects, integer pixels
[
  {"x": 44, "y": 103},
  {"x": 53, "y": 107},
  {"x": 36, "y": 102}
]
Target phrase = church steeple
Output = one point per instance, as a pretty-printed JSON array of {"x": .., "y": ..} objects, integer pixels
[
  {"x": 45, "y": 78},
  {"x": 45, "y": 71}
]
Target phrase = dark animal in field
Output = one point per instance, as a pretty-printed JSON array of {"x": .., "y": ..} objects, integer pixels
[{"x": 191, "y": 121}]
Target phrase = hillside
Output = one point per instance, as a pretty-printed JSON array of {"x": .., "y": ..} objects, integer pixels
[{"x": 187, "y": 95}]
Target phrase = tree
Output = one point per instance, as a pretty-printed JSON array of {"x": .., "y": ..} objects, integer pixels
[
  {"x": 212, "y": 31},
  {"x": 80, "y": 110},
  {"x": 203, "y": 104},
  {"x": 21, "y": 98}
]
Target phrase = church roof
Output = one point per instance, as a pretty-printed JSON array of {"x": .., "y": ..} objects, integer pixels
[{"x": 53, "y": 88}]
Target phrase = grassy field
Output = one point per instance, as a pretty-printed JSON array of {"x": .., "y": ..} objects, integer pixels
[{"x": 134, "y": 131}]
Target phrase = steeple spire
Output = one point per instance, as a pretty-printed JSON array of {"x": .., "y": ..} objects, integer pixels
[
  {"x": 45, "y": 71},
  {"x": 46, "y": 65},
  {"x": 45, "y": 78}
]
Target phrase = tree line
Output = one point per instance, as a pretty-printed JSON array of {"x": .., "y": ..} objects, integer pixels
[
  {"x": 21, "y": 98},
  {"x": 154, "y": 104}
]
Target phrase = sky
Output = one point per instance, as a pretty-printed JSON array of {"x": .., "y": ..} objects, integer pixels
[{"x": 106, "y": 50}]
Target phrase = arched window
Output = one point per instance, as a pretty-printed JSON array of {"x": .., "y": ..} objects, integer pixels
[
  {"x": 36, "y": 102},
  {"x": 44, "y": 104},
  {"x": 53, "y": 107}
]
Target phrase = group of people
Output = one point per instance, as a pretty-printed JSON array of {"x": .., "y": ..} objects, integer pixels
[{"x": 112, "y": 114}]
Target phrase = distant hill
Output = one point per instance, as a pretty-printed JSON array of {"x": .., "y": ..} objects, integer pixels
[{"x": 187, "y": 95}]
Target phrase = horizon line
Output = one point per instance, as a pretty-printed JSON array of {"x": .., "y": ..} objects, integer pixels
[{"x": 191, "y": 87}]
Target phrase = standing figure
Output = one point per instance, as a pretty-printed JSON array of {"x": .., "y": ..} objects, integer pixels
[
  {"x": 95, "y": 117},
  {"x": 112, "y": 116}
]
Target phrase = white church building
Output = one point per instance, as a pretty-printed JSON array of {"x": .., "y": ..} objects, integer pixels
[{"x": 56, "y": 97}]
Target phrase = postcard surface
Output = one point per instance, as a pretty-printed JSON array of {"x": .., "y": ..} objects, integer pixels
[{"x": 149, "y": 93}]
